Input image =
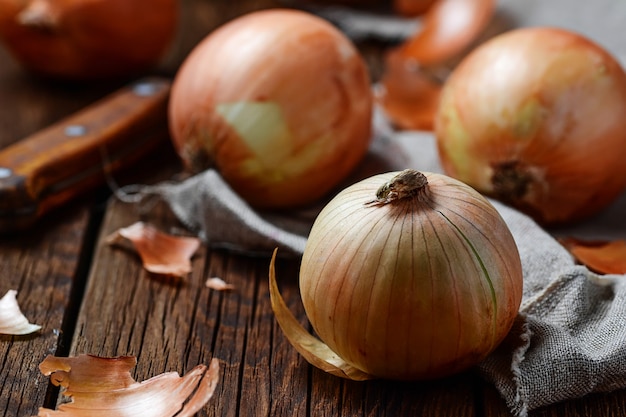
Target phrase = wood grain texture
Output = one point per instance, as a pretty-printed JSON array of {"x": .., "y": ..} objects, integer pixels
[
  {"x": 173, "y": 325},
  {"x": 45, "y": 268},
  {"x": 93, "y": 298},
  {"x": 45, "y": 265}
]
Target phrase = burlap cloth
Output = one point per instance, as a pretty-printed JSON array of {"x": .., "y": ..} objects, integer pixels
[{"x": 570, "y": 336}]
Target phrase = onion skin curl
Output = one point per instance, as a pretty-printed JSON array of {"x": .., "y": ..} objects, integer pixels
[
  {"x": 535, "y": 117},
  {"x": 88, "y": 39},
  {"x": 449, "y": 27},
  {"x": 411, "y": 285},
  {"x": 412, "y": 82},
  {"x": 279, "y": 102}
]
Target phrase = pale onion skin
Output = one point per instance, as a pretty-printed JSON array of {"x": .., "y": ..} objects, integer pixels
[
  {"x": 304, "y": 69},
  {"x": 411, "y": 84},
  {"x": 88, "y": 39},
  {"x": 398, "y": 290},
  {"x": 536, "y": 118}
]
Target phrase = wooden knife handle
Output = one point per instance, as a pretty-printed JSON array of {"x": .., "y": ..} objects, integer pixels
[{"x": 61, "y": 161}]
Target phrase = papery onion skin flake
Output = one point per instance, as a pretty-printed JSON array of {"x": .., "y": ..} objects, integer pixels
[
  {"x": 411, "y": 285},
  {"x": 12, "y": 320}
]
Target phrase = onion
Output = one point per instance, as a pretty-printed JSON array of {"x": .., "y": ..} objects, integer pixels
[
  {"x": 279, "y": 101},
  {"x": 536, "y": 118},
  {"x": 408, "y": 94},
  {"x": 88, "y": 39},
  {"x": 420, "y": 279}
]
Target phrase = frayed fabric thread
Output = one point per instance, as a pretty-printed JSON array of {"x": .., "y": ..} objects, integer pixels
[{"x": 520, "y": 406}]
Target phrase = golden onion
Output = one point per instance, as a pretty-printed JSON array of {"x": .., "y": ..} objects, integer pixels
[
  {"x": 535, "y": 117},
  {"x": 406, "y": 276},
  {"x": 279, "y": 102}
]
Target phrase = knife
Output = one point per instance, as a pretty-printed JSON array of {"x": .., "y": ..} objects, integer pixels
[{"x": 56, "y": 164}]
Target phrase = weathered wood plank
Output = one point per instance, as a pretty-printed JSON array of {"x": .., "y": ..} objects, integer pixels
[
  {"x": 290, "y": 374},
  {"x": 173, "y": 326},
  {"x": 44, "y": 266},
  {"x": 446, "y": 397},
  {"x": 45, "y": 263}
]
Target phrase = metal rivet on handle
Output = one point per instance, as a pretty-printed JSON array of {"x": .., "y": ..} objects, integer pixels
[
  {"x": 5, "y": 172},
  {"x": 145, "y": 89},
  {"x": 75, "y": 130}
]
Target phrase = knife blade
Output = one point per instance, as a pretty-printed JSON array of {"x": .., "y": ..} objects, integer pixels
[{"x": 56, "y": 164}]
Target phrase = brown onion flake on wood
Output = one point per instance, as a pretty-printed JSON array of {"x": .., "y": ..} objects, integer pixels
[
  {"x": 218, "y": 284},
  {"x": 161, "y": 253}
]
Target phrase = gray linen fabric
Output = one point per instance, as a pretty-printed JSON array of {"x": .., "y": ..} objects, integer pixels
[
  {"x": 207, "y": 205},
  {"x": 570, "y": 336},
  {"x": 569, "y": 339}
]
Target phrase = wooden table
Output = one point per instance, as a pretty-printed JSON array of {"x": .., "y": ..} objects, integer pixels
[{"x": 93, "y": 298}]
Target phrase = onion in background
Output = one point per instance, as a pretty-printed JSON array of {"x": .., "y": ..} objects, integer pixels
[
  {"x": 88, "y": 39},
  {"x": 279, "y": 101},
  {"x": 536, "y": 118}
]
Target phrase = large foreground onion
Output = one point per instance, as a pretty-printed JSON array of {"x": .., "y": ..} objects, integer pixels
[
  {"x": 88, "y": 39},
  {"x": 536, "y": 118},
  {"x": 279, "y": 101},
  {"x": 419, "y": 280}
]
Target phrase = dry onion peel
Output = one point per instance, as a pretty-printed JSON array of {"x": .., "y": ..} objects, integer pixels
[
  {"x": 408, "y": 275},
  {"x": 104, "y": 387},
  {"x": 12, "y": 320},
  {"x": 218, "y": 284},
  {"x": 604, "y": 257},
  {"x": 449, "y": 27},
  {"x": 408, "y": 94},
  {"x": 312, "y": 349},
  {"x": 411, "y": 84},
  {"x": 161, "y": 253},
  {"x": 535, "y": 118}
]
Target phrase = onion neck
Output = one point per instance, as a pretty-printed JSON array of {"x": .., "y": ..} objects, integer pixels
[
  {"x": 510, "y": 181},
  {"x": 406, "y": 184}
]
